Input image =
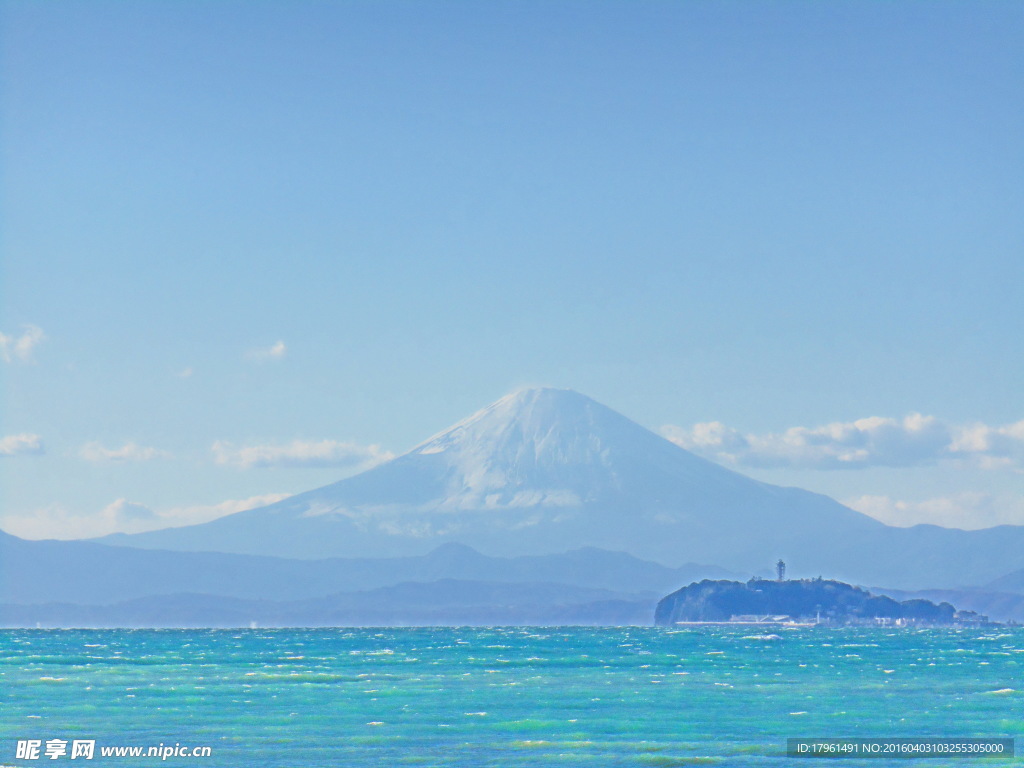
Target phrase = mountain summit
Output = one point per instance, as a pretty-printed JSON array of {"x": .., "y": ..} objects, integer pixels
[
  {"x": 548, "y": 448},
  {"x": 548, "y": 470}
]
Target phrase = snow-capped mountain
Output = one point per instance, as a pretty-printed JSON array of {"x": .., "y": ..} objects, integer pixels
[{"x": 547, "y": 470}]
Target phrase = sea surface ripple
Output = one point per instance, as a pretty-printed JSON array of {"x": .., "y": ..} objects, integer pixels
[{"x": 506, "y": 696}]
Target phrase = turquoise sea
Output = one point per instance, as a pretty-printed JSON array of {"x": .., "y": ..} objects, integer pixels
[{"x": 505, "y": 696}]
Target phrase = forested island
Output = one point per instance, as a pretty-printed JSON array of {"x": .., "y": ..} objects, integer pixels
[{"x": 801, "y": 602}]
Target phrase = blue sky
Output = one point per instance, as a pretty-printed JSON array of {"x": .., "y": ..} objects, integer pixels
[{"x": 244, "y": 243}]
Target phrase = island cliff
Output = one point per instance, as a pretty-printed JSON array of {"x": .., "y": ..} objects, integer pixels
[{"x": 817, "y": 601}]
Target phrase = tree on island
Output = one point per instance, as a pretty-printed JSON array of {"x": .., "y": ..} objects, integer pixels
[{"x": 808, "y": 599}]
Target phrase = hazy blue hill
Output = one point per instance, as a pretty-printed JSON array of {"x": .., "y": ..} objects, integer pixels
[
  {"x": 89, "y": 573},
  {"x": 85, "y": 572},
  {"x": 928, "y": 556},
  {"x": 1011, "y": 582},
  {"x": 450, "y": 602},
  {"x": 546, "y": 471}
]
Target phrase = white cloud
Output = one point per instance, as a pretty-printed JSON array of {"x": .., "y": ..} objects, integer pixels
[
  {"x": 993, "y": 447},
  {"x": 13, "y": 348},
  {"x": 123, "y": 512},
  {"x": 274, "y": 352},
  {"x": 127, "y": 452},
  {"x": 301, "y": 453},
  {"x": 965, "y": 510},
  {"x": 876, "y": 441},
  {"x": 203, "y": 513},
  {"x": 122, "y": 516},
  {"x": 711, "y": 437},
  {"x": 58, "y": 522},
  {"x": 20, "y": 445},
  {"x": 184, "y": 373}
]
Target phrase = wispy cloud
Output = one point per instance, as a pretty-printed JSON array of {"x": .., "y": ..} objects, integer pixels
[
  {"x": 19, "y": 348},
  {"x": 21, "y": 445},
  {"x": 126, "y": 513},
  {"x": 300, "y": 453},
  {"x": 273, "y": 352},
  {"x": 207, "y": 512},
  {"x": 965, "y": 510},
  {"x": 876, "y": 441},
  {"x": 127, "y": 452},
  {"x": 122, "y": 516}
]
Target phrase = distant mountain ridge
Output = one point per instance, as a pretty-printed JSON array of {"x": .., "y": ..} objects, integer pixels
[
  {"x": 546, "y": 471},
  {"x": 82, "y": 584},
  {"x": 444, "y": 602},
  {"x": 86, "y": 573}
]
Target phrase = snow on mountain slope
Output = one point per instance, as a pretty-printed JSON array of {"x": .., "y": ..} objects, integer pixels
[
  {"x": 553, "y": 448},
  {"x": 536, "y": 448}
]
